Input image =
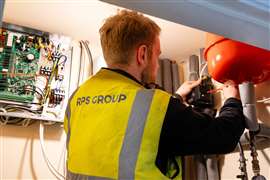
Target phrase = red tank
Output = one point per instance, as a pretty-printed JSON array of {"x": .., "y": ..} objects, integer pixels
[{"x": 232, "y": 60}]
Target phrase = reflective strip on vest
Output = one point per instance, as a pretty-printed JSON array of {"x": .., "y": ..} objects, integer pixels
[
  {"x": 68, "y": 114},
  {"x": 134, "y": 133},
  {"x": 132, "y": 139},
  {"x": 73, "y": 176}
]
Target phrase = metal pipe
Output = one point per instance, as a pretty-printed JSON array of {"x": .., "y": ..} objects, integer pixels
[
  {"x": 254, "y": 154},
  {"x": 243, "y": 166}
]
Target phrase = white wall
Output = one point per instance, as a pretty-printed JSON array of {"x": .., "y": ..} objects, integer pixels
[{"x": 21, "y": 156}]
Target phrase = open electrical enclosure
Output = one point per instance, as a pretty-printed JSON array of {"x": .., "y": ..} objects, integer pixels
[{"x": 34, "y": 74}]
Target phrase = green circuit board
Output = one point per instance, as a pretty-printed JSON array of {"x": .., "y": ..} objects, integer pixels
[
  {"x": 19, "y": 54},
  {"x": 34, "y": 72}
]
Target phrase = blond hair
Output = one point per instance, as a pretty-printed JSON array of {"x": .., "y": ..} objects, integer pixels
[{"x": 123, "y": 32}]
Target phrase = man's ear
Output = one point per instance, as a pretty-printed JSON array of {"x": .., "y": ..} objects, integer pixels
[{"x": 142, "y": 55}]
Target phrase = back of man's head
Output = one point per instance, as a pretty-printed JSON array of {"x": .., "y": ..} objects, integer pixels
[{"x": 121, "y": 34}]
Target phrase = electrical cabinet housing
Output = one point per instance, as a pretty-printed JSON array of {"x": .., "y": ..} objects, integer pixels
[{"x": 34, "y": 74}]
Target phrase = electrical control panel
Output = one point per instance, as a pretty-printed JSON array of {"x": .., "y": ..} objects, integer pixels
[{"x": 34, "y": 73}]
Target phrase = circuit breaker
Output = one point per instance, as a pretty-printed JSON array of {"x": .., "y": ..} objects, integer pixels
[{"x": 34, "y": 73}]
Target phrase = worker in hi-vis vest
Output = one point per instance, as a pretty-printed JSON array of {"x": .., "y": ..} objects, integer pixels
[{"x": 118, "y": 128}]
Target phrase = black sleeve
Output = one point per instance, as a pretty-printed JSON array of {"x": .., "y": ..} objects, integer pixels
[{"x": 186, "y": 131}]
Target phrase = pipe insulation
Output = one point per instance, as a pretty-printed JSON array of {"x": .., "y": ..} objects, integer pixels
[
  {"x": 201, "y": 171},
  {"x": 167, "y": 75},
  {"x": 175, "y": 77},
  {"x": 193, "y": 68},
  {"x": 159, "y": 78},
  {"x": 247, "y": 94},
  {"x": 212, "y": 167}
]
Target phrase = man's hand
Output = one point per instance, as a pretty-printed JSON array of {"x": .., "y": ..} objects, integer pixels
[
  {"x": 230, "y": 90},
  {"x": 186, "y": 88}
]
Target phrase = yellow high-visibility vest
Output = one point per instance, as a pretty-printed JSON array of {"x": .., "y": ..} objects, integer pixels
[{"x": 113, "y": 127}]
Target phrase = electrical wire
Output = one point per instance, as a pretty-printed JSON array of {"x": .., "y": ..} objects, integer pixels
[
  {"x": 83, "y": 61},
  {"x": 70, "y": 68},
  {"x": 55, "y": 172},
  {"x": 14, "y": 120},
  {"x": 86, "y": 44},
  {"x": 80, "y": 62},
  {"x": 11, "y": 108},
  {"x": 56, "y": 57},
  {"x": 63, "y": 158},
  {"x": 26, "y": 122},
  {"x": 63, "y": 61},
  {"x": 88, "y": 55},
  {"x": 263, "y": 100},
  {"x": 3, "y": 121},
  {"x": 203, "y": 68}
]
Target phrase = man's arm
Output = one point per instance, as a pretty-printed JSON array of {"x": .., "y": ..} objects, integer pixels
[{"x": 186, "y": 131}]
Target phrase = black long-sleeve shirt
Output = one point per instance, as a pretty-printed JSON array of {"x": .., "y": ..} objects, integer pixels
[{"x": 188, "y": 132}]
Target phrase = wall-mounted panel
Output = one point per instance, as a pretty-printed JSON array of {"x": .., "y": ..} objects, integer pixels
[{"x": 34, "y": 74}]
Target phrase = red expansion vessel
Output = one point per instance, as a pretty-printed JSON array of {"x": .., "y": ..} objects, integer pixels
[{"x": 232, "y": 60}]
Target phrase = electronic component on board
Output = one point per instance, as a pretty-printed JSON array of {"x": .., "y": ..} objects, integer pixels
[{"x": 56, "y": 96}]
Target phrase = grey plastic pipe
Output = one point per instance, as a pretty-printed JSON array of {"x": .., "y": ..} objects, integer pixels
[
  {"x": 167, "y": 75},
  {"x": 159, "y": 79},
  {"x": 175, "y": 77},
  {"x": 201, "y": 171},
  {"x": 247, "y": 94},
  {"x": 212, "y": 167},
  {"x": 193, "y": 68}
]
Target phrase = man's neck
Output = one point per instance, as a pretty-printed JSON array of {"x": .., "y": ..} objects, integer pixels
[{"x": 129, "y": 69}]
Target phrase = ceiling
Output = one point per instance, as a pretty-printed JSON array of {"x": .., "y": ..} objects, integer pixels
[
  {"x": 242, "y": 20},
  {"x": 81, "y": 20}
]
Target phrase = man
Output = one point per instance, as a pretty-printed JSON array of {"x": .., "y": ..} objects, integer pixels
[{"x": 118, "y": 129}]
